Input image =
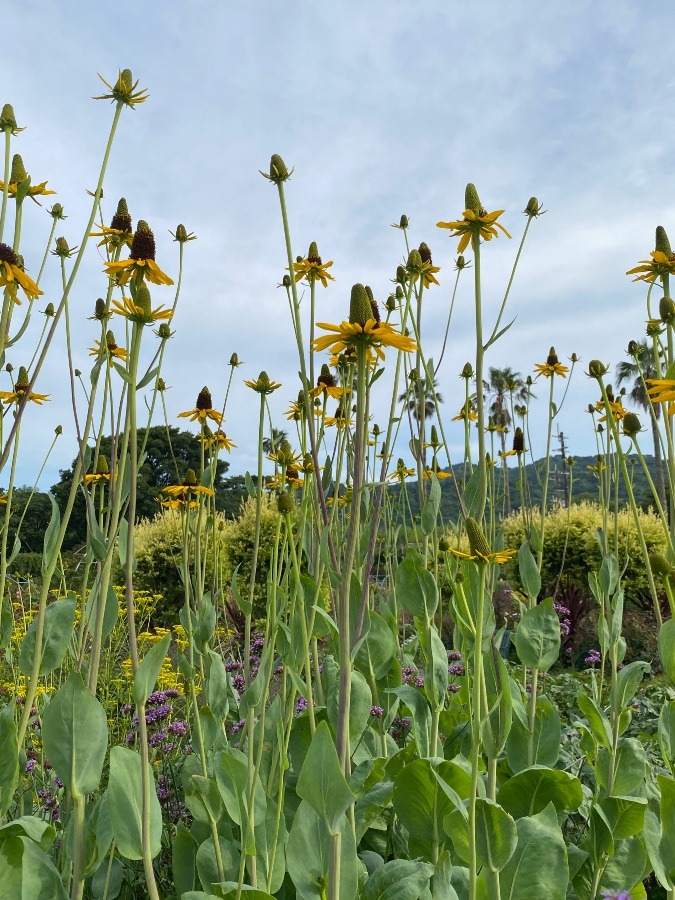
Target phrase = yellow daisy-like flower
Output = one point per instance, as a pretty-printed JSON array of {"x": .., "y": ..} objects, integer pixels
[
  {"x": 479, "y": 549},
  {"x": 18, "y": 179},
  {"x": 312, "y": 268},
  {"x": 20, "y": 389},
  {"x": 552, "y": 366},
  {"x": 12, "y": 274},
  {"x": 262, "y": 384},
  {"x": 339, "y": 420},
  {"x": 420, "y": 265},
  {"x": 373, "y": 334},
  {"x": 95, "y": 477},
  {"x": 600, "y": 467},
  {"x": 189, "y": 490},
  {"x": 437, "y": 471},
  {"x": 482, "y": 224},
  {"x": 616, "y": 407},
  {"x": 650, "y": 269},
  {"x": 661, "y": 390},
  {"x": 111, "y": 350},
  {"x": 466, "y": 414},
  {"x": 3, "y": 498},
  {"x": 498, "y": 557},
  {"x": 203, "y": 409},
  {"x": 140, "y": 312},
  {"x": 180, "y": 503},
  {"x": 326, "y": 384},
  {"x": 401, "y": 472},
  {"x": 141, "y": 263},
  {"x": 290, "y": 479},
  {"x": 342, "y": 500},
  {"x": 216, "y": 439},
  {"x": 285, "y": 456}
]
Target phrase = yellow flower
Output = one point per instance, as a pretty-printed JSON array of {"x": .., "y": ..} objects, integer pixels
[
  {"x": 203, "y": 409},
  {"x": 616, "y": 406},
  {"x": 373, "y": 334},
  {"x": 661, "y": 390},
  {"x": 420, "y": 265},
  {"x": 400, "y": 473},
  {"x": 437, "y": 471},
  {"x": 649, "y": 270},
  {"x": 479, "y": 549},
  {"x": 140, "y": 311},
  {"x": 339, "y": 420},
  {"x": 20, "y": 389},
  {"x": 312, "y": 269},
  {"x": 290, "y": 479},
  {"x": 12, "y": 274},
  {"x": 342, "y": 500},
  {"x": 17, "y": 182},
  {"x": 262, "y": 384},
  {"x": 498, "y": 557},
  {"x": 552, "y": 366},
  {"x": 186, "y": 494},
  {"x": 466, "y": 414},
  {"x": 124, "y": 90},
  {"x": 111, "y": 350},
  {"x": 141, "y": 263},
  {"x": 285, "y": 456},
  {"x": 216, "y": 439},
  {"x": 480, "y": 224},
  {"x": 326, "y": 384}
]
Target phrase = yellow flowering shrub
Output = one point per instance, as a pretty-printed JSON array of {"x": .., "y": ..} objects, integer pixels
[{"x": 573, "y": 532}]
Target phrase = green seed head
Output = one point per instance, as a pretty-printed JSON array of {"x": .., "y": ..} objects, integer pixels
[
  {"x": 666, "y": 309},
  {"x": 477, "y": 540},
  {"x": 22, "y": 379},
  {"x": 660, "y": 565},
  {"x": 190, "y": 478},
  {"x": 360, "y": 309},
  {"x": 313, "y": 252},
  {"x": 471, "y": 199},
  {"x": 631, "y": 425},
  {"x": 102, "y": 467},
  {"x": 467, "y": 371},
  {"x": 285, "y": 503},
  {"x": 597, "y": 369},
  {"x": 56, "y": 212},
  {"x": 444, "y": 544},
  {"x": 7, "y": 117},
  {"x": 662, "y": 243},
  {"x": 403, "y": 222},
  {"x": 143, "y": 299},
  {"x": 401, "y": 275},
  {"x": 19, "y": 173},
  {"x": 278, "y": 170}
]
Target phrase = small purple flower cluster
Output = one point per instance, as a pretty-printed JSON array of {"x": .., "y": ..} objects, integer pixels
[
  {"x": 454, "y": 655},
  {"x": 174, "y": 809},
  {"x": 377, "y": 712},
  {"x": 400, "y": 727},
  {"x": 50, "y": 804},
  {"x": 593, "y": 657},
  {"x": 456, "y": 669},
  {"x": 163, "y": 733},
  {"x": 300, "y": 705},
  {"x": 616, "y": 895},
  {"x": 411, "y": 675},
  {"x": 563, "y": 615}
]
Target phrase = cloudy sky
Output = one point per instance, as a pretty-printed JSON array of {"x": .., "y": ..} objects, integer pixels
[{"x": 383, "y": 107}]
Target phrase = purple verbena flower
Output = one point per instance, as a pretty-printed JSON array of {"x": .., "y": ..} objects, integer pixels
[{"x": 377, "y": 712}]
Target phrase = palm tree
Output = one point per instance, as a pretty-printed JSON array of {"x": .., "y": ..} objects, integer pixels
[
  {"x": 505, "y": 387},
  {"x": 273, "y": 442},
  {"x": 637, "y": 374},
  {"x": 418, "y": 392}
]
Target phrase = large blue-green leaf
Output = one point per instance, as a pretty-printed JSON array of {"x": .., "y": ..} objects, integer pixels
[{"x": 125, "y": 804}]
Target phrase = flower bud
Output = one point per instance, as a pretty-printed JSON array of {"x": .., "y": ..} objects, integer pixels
[
  {"x": 360, "y": 309},
  {"x": 164, "y": 331},
  {"x": 100, "y": 311},
  {"x": 401, "y": 275},
  {"x": 519, "y": 440},
  {"x": 414, "y": 261},
  {"x": 390, "y": 303},
  {"x": 471, "y": 199},
  {"x": 102, "y": 467},
  {"x": 597, "y": 369},
  {"x": 467, "y": 371},
  {"x": 666, "y": 309},
  {"x": 62, "y": 248},
  {"x": 8, "y": 120},
  {"x": 661, "y": 243},
  {"x": 400, "y": 295},
  {"x": 532, "y": 208},
  {"x": 313, "y": 253},
  {"x": 631, "y": 425},
  {"x": 403, "y": 222},
  {"x": 660, "y": 565},
  {"x": 56, "y": 212},
  {"x": 278, "y": 170},
  {"x": 234, "y": 361},
  {"x": 286, "y": 281},
  {"x": 58, "y": 430},
  {"x": 444, "y": 544},
  {"x": 142, "y": 298},
  {"x": 285, "y": 503},
  {"x": 181, "y": 234},
  {"x": 22, "y": 380},
  {"x": 433, "y": 440},
  {"x": 161, "y": 384},
  {"x": 460, "y": 262},
  {"x": 9, "y": 368},
  {"x": 77, "y": 373},
  {"x": 49, "y": 310},
  {"x": 634, "y": 348}
]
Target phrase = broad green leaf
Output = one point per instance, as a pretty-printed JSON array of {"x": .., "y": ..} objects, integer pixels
[
  {"x": 497, "y": 725},
  {"x": 630, "y": 767},
  {"x": 416, "y": 588},
  {"x": 667, "y": 648},
  {"x": 106, "y": 884},
  {"x": 667, "y": 843},
  {"x": 39, "y": 831},
  {"x": 148, "y": 671},
  {"x": 232, "y": 778},
  {"x": 528, "y": 571},
  {"x": 9, "y": 770},
  {"x": 441, "y": 882},
  {"x": 360, "y": 704},
  {"x": 435, "y": 664},
  {"x": 608, "y": 576},
  {"x": 379, "y": 649},
  {"x": 546, "y": 741},
  {"x": 420, "y": 802},
  {"x": 626, "y": 868},
  {"x": 27, "y": 873},
  {"x": 217, "y": 686},
  {"x": 600, "y": 726},
  {"x": 667, "y": 732},
  {"x": 496, "y": 835},
  {"x": 51, "y": 535},
  {"x": 530, "y": 791},
  {"x": 628, "y": 681},
  {"x": 537, "y": 638},
  {"x": 207, "y": 867},
  {"x": 538, "y": 867},
  {"x": 308, "y": 854},
  {"x": 58, "y": 629},
  {"x": 398, "y": 879},
  {"x": 110, "y": 612},
  {"x": 75, "y": 736},
  {"x": 625, "y": 815},
  {"x": 418, "y": 705},
  {"x": 125, "y": 794},
  {"x": 321, "y": 782},
  {"x": 431, "y": 506}
]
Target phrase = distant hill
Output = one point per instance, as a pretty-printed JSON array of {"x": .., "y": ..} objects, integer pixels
[{"x": 584, "y": 484}]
